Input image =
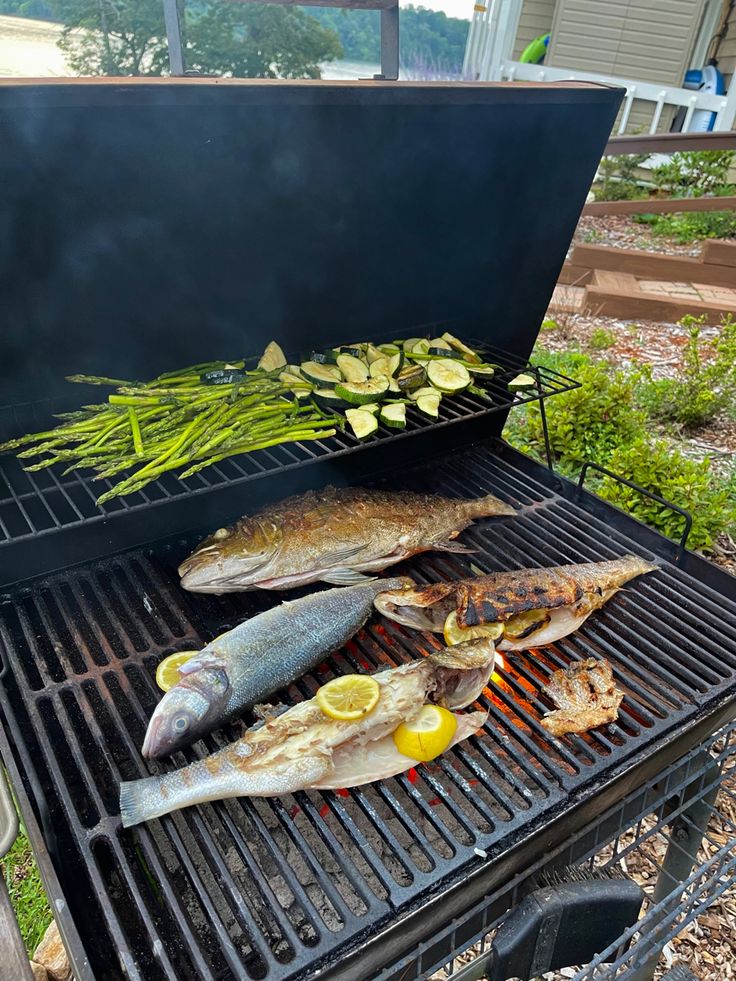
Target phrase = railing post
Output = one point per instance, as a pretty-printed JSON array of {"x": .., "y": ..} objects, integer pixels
[{"x": 726, "y": 116}]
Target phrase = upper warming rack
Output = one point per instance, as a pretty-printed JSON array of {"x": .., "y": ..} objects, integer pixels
[{"x": 38, "y": 504}]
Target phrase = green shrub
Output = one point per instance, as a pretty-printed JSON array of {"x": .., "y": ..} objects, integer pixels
[
  {"x": 692, "y": 226},
  {"x": 663, "y": 470},
  {"x": 617, "y": 177},
  {"x": 601, "y": 339},
  {"x": 588, "y": 423},
  {"x": 695, "y": 172},
  {"x": 706, "y": 384}
]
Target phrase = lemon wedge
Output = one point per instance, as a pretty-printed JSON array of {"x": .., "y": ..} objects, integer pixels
[
  {"x": 428, "y": 734},
  {"x": 167, "y": 672},
  {"x": 350, "y": 697},
  {"x": 455, "y": 634}
]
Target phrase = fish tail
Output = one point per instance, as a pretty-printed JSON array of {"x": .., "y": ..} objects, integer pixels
[
  {"x": 487, "y": 506},
  {"x": 140, "y": 800}
]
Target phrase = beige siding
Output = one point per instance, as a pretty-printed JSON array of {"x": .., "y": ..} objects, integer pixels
[
  {"x": 649, "y": 40},
  {"x": 727, "y": 51},
  {"x": 536, "y": 18}
]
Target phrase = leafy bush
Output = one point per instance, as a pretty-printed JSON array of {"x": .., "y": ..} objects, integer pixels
[
  {"x": 618, "y": 178},
  {"x": 663, "y": 470},
  {"x": 695, "y": 172},
  {"x": 692, "y": 226},
  {"x": 588, "y": 423},
  {"x": 707, "y": 383},
  {"x": 601, "y": 339}
]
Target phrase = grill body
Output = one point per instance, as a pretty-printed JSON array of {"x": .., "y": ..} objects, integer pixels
[{"x": 321, "y": 882}]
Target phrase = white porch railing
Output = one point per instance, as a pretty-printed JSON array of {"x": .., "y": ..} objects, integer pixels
[{"x": 488, "y": 59}]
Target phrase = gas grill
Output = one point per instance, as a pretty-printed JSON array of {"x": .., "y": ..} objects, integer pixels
[{"x": 313, "y": 884}]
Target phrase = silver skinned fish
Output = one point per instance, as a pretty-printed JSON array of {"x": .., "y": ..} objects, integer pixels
[
  {"x": 303, "y": 749},
  {"x": 255, "y": 659},
  {"x": 335, "y": 535}
]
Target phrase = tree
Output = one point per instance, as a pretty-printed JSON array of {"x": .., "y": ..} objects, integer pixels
[{"x": 127, "y": 37}]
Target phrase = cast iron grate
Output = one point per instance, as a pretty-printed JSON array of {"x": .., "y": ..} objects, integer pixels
[
  {"x": 286, "y": 887},
  {"x": 33, "y": 504}
]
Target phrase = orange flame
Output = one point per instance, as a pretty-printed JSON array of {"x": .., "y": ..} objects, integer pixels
[{"x": 500, "y": 663}]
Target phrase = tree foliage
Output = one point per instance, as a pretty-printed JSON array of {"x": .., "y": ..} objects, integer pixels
[
  {"x": 127, "y": 37},
  {"x": 427, "y": 37}
]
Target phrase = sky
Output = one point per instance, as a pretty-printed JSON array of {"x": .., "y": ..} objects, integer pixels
[{"x": 453, "y": 8}]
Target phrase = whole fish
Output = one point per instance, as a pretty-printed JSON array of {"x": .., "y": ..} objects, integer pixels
[
  {"x": 333, "y": 535},
  {"x": 530, "y": 607},
  {"x": 304, "y": 749},
  {"x": 255, "y": 659}
]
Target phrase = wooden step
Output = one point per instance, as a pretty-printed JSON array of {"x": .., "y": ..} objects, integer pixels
[
  {"x": 616, "y": 281},
  {"x": 721, "y": 253},
  {"x": 639, "y": 305},
  {"x": 650, "y": 265},
  {"x": 659, "y": 206}
]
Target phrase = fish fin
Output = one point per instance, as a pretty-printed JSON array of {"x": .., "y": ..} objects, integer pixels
[
  {"x": 339, "y": 555},
  {"x": 346, "y": 577},
  {"x": 489, "y": 506},
  {"x": 135, "y": 797},
  {"x": 267, "y": 712},
  {"x": 457, "y": 547},
  {"x": 202, "y": 660}
]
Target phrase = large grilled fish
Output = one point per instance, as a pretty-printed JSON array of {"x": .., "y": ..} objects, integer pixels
[
  {"x": 304, "y": 749},
  {"x": 530, "y": 607},
  {"x": 334, "y": 535},
  {"x": 255, "y": 659}
]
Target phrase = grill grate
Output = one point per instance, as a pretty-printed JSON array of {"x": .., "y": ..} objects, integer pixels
[{"x": 286, "y": 887}]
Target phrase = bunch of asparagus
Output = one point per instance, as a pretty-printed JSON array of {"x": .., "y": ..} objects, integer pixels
[{"x": 190, "y": 418}]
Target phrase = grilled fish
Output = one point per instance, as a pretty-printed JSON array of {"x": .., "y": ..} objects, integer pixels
[
  {"x": 255, "y": 659},
  {"x": 528, "y": 607},
  {"x": 586, "y": 696},
  {"x": 304, "y": 749},
  {"x": 334, "y": 535}
]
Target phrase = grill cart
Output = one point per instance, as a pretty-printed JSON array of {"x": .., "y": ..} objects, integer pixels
[{"x": 151, "y": 225}]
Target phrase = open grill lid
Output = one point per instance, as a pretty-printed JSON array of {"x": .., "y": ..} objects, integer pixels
[{"x": 151, "y": 224}]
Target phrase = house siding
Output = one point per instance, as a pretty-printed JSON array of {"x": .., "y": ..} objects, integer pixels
[
  {"x": 536, "y": 18},
  {"x": 727, "y": 51}
]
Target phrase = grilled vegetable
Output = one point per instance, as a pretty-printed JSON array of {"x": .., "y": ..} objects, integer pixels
[
  {"x": 352, "y": 368},
  {"x": 468, "y": 352},
  {"x": 305, "y": 748},
  {"x": 362, "y": 423},
  {"x": 522, "y": 382},
  {"x": 322, "y": 375},
  {"x": 429, "y": 405},
  {"x": 411, "y": 377},
  {"x": 361, "y": 393},
  {"x": 327, "y": 398},
  {"x": 387, "y": 366},
  {"x": 419, "y": 392},
  {"x": 394, "y": 416},
  {"x": 372, "y": 353},
  {"x": 448, "y": 376},
  {"x": 272, "y": 358}
]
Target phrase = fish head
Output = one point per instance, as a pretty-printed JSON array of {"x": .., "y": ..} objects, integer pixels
[
  {"x": 462, "y": 672},
  {"x": 232, "y": 558},
  {"x": 189, "y": 709}
]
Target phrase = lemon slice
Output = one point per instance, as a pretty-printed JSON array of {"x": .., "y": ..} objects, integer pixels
[
  {"x": 167, "y": 672},
  {"x": 350, "y": 697},
  {"x": 428, "y": 734},
  {"x": 455, "y": 634}
]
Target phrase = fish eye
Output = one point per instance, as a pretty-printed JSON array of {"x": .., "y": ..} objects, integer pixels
[{"x": 181, "y": 724}]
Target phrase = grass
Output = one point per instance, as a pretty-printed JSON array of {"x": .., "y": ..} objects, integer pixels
[{"x": 26, "y": 892}]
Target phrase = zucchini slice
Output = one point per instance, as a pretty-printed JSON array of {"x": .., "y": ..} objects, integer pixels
[
  {"x": 352, "y": 349},
  {"x": 327, "y": 399},
  {"x": 522, "y": 382},
  {"x": 373, "y": 407},
  {"x": 427, "y": 390},
  {"x": 448, "y": 376},
  {"x": 362, "y": 392},
  {"x": 429, "y": 404},
  {"x": 421, "y": 347},
  {"x": 272, "y": 358},
  {"x": 458, "y": 345},
  {"x": 352, "y": 368},
  {"x": 481, "y": 369},
  {"x": 362, "y": 423},
  {"x": 439, "y": 344},
  {"x": 387, "y": 366},
  {"x": 324, "y": 375},
  {"x": 411, "y": 377},
  {"x": 296, "y": 384},
  {"x": 372, "y": 353},
  {"x": 323, "y": 357},
  {"x": 408, "y": 344},
  {"x": 394, "y": 415}
]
